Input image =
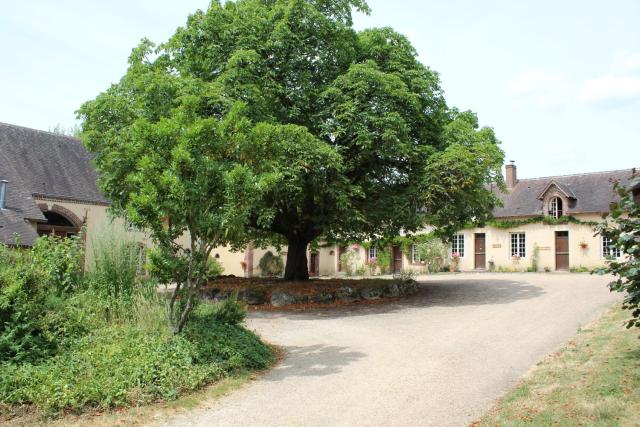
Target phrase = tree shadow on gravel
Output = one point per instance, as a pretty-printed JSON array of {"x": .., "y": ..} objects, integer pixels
[
  {"x": 313, "y": 360},
  {"x": 459, "y": 293}
]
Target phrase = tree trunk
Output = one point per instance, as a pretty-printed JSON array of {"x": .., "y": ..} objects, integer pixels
[{"x": 297, "y": 267}]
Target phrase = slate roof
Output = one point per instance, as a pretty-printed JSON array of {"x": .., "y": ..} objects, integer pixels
[
  {"x": 45, "y": 164},
  {"x": 592, "y": 193}
]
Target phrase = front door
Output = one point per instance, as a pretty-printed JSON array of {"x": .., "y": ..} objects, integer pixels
[
  {"x": 562, "y": 250},
  {"x": 396, "y": 262},
  {"x": 480, "y": 257},
  {"x": 314, "y": 265}
]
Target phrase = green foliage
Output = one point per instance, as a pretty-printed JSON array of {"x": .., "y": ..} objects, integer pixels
[
  {"x": 271, "y": 265},
  {"x": 280, "y": 119},
  {"x": 347, "y": 260},
  {"x": 578, "y": 269},
  {"x": 434, "y": 252},
  {"x": 383, "y": 259},
  {"x": 59, "y": 352},
  {"x": 624, "y": 232},
  {"x": 126, "y": 364},
  {"x": 406, "y": 275},
  {"x": 547, "y": 220},
  {"x": 361, "y": 271},
  {"x": 230, "y": 311},
  {"x": 456, "y": 186},
  {"x": 214, "y": 268},
  {"x": 535, "y": 257},
  {"x": 116, "y": 271},
  {"x": 36, "y": 310},
  {"x": 60, "y": 262}
]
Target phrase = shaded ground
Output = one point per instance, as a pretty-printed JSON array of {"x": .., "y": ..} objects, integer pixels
[{"x": 440, "y": 358}]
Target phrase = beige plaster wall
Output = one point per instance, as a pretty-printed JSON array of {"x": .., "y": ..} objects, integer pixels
[
  {"x": 96, "y": 218},
  {"x": 498, "y": 245}
]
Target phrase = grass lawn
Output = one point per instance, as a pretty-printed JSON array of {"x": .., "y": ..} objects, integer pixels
[{"x": 594, "y": 380}]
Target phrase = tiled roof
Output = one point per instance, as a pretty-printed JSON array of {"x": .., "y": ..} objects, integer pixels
[
  {"x": 45, "y": 164},
  {"x": 592, "y": 193}
]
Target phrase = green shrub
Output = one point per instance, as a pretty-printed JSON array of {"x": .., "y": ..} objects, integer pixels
[
  {"x": 406, "y": 274},
  {"x": 347, "y": 261},
  {"x": 128, "y": 364},
  {"x": 271, "y": 265},
  {"x": 35, "y": 288},
  {"x": 434, "y": 253},
  {"x": 214, "y": 268},
  {"x": 383, "y": 260},
  {"x": 60, "y": 261},
  {"x": 229, "y": 311}
]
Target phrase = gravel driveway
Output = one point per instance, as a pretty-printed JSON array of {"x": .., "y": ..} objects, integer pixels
[{"x": 440, "y": 358}]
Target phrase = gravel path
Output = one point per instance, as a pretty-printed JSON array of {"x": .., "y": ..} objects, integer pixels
[{"x": 440, "y": 358}]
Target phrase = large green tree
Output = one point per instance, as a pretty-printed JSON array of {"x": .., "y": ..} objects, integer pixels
[{"x": 340, "y": 134}]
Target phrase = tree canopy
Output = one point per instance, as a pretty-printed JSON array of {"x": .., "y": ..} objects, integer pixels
[{"x": 277, "y": 121}]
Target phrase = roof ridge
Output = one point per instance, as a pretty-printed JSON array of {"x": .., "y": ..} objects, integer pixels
[
  {"x": 10, "y": 125},
  {"x": 576, "y": 174}
]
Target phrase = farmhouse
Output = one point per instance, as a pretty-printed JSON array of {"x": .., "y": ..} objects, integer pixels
[{"x": 48, "y": 186}]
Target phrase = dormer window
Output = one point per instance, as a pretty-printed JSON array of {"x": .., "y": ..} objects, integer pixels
[{"x": 555, "y": 207}]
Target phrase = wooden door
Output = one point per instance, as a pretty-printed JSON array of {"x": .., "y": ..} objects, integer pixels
[
  {"x": 396, "y": 259},
  {"x": 480, "y": 256},
  {"x": 314, "y": 264},
  {"x": 562, "y": 250}
]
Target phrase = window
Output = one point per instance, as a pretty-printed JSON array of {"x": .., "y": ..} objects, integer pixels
[
  {"x": 457, "y": 245},
  {"x": 518, "y": 245},
  {"x": 555, "y": 207},
  {"x": 608, "y": 249},
  {"x": 415, "y": 255},
  {"x": 373, "y": 252}
]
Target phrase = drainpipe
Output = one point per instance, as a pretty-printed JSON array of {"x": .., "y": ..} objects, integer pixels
[{"x": 3, "y": 194}]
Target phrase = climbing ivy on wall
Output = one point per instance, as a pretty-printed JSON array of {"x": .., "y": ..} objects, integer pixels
[
  {"x": 512, "y": 223},
  {"x": 405, "y": 242}
]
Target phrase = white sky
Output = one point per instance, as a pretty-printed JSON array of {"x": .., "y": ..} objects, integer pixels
[{"x": 559, "y": 81}]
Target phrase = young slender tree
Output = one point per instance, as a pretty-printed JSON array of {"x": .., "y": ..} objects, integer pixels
[{"x": 345, "y": 134}]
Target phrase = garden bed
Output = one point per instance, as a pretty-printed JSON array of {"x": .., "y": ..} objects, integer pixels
[{"x": 270, "y": 292}]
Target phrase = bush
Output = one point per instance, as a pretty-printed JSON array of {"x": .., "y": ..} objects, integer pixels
[
  {"x": 230, "y": 311},
  {"x": 59, "y": 351},
  {"x": 271, "y": 265},
  {"x": 60, "y": 261},
  {"x": 35, "y": 288},
  {"x": 406, "y": 275},
  {"x": 129, "y": 364},
  {"x": 214, "y": 268},
  {"x": 434, "y": 253}
]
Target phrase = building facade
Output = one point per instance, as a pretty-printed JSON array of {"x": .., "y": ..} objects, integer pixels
[{"x": 49, "y": 186}]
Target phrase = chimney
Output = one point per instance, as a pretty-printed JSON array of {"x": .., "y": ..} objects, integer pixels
[
  {"x": 3, "y": 194},
  {"x": 511, "y": 175}
]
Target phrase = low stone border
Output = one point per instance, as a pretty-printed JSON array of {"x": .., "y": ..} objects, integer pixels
[{"x": 315, "y": 292}]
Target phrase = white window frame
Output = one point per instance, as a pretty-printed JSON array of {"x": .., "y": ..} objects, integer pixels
[
  {"x": 554, "y": 212},
  {"x": 372, "y": 252},
  {"x": 520, "y": 249},
  {"x": 457, "y": 245},
  {"x": 613, "y": 252}
]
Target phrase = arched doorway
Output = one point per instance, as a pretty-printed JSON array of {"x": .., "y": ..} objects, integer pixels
[{"x": 59, "y": 223}]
